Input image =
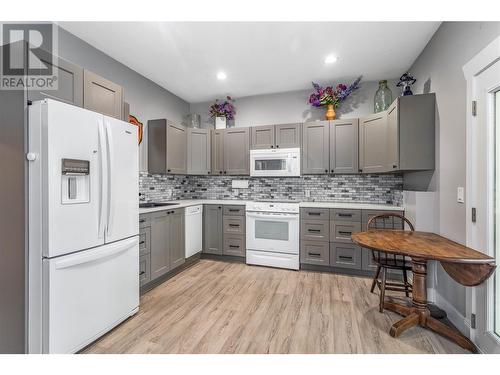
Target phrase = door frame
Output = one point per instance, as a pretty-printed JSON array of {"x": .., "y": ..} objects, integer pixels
[{"x": 477, "y": 299}]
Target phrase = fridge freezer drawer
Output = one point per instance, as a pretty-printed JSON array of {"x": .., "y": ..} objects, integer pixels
[{"x": 88, "y": 293}]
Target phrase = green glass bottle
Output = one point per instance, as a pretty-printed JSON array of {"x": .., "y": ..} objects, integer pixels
[{"x": 383, "y": 97}]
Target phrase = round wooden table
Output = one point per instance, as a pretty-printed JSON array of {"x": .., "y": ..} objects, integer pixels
[{"x": 465, "y": 265}]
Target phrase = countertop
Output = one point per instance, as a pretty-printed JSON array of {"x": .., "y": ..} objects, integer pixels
[{"x": 344, "y": 205}]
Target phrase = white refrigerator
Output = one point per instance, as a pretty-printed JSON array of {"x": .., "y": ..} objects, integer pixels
[{"x": 83, "y": 225}]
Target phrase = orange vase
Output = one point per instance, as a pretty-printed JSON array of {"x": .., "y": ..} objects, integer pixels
[{"x": 330, "y": 112}]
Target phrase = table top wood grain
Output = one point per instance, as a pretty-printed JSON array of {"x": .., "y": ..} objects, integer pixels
[{"x": 420, "y": 245}]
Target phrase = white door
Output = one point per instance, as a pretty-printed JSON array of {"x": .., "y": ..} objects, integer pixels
[
  {"x": 68, "y": 132},
  {"x": 483, "y": 187},
  {"x": 88, "y": 293},
  {"x": 123, "y": 180}
]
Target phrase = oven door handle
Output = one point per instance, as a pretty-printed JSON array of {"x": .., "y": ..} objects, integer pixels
[{"x": 269, "y": 215}]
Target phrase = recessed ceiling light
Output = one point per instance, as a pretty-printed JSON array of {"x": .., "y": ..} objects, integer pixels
[
  {"x": 221, "y": 76},
  {"x": 330, "y": 59}
]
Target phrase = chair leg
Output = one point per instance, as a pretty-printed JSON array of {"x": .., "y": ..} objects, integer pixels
[
  {"x": 382, "y": 289},
  {"x": 405, "y": 280},
  {"x": 375, "y": 279}
]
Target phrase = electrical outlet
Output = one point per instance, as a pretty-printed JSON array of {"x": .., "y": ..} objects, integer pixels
[{"x": 460, "y": 195}]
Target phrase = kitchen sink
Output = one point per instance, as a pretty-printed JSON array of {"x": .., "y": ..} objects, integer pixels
[{"x": 153, "y": 204}]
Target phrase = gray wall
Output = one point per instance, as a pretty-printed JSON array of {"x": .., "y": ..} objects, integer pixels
[
  {"x": 293, "y": 106},
  {"x": 147, "y": 100},
  {"x": 439, "y": 69}
]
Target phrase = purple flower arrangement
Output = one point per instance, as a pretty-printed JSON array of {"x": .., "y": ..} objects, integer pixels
[
  {"x": 327, "y": 95},
  {"x": 223, "y": 109}
]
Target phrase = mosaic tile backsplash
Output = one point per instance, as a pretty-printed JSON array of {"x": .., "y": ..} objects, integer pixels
[{"x": 376, "y": 188}]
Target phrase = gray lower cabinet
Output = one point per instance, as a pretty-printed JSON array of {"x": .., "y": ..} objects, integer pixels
[
  {"x": 344, "y": 146},
  {"x": 212, "y": 229},
  {"x": 160, "y": 257},
  {"x": 341, "y": 231},
  {"x": 367, "y": 263},
  {"x": 176, "y": 240},
  {"x": 315, "y": 147},
  {"x": 101, "y": 95},
  {"x": 345, "y": 255},
  {"x": 144, "y": 240},
  {"x": 69, "y": 81},
  {"x": 262, "y": 137},
  {"x": 314, "y": 230},
  {"x": 234, "y": 245},
  {"x": 167, "y": 143},
  {"x": 234, "y": 225},
  {"x": 198, "y": 151},
  {"x": 314, "y": 252},
  {"x": 288, "y": 135},
  {"x": 373, "y": 143},
  {"x": 237, "y": 151},
  {"x": 314, "y": 214},
  {"x": 234, "y": 230},
  {"x": 144, "y": 269}
]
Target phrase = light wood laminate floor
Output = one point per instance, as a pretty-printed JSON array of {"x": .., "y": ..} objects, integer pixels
[{"x": 219, "y": 307}]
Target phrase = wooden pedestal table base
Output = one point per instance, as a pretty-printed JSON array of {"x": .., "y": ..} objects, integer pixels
[
  {"x": 419, "y": 314},
  {"x": 465, "y": 265}
]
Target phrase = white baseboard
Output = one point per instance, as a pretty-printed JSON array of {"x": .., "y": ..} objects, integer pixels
[{"x": 458, "y": 320}]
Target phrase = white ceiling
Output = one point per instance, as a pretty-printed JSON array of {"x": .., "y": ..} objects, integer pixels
[{"x": 258, "y": 58}]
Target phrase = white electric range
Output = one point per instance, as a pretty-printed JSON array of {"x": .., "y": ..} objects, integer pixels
[{"x": 273, "y": 234}]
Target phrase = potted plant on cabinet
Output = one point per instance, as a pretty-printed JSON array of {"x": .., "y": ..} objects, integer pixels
[
  {"x": 222, "y": 111},
  {"x": 330, "y": 97}
]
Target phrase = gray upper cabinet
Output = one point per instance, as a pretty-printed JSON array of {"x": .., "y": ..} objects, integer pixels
[
  {"x": 69, "y": 81},
  {"x": 288, "y": 135},
  {"x": 373, "y": 143},
  {"x": 102, "y": 95},
  {"x": 315, "y": 148},
  {"x": 176, "y": 240},
  {"x": 276, "y": 136},
  {"x": 217, "y": 151},
  {"x": 167, "y": 143},
  {"x": 236, "y": 151},
  {"x": 262, "y": 137},
  {"x": 198, "y": 151},
  {"x": 212, "y": 229},
  {"x": 160, "y": 258},
  {"x": 344, "y": 146},
  {"x": 176, "y": 148},
  {"x": 411, "y": 133}
]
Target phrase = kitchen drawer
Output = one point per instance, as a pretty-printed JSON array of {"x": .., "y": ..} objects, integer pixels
[
  {"x": 341, "y": 231},
  {"x": 313, "y": 252},
  {"x": 315, "y": 214},
  {"x": 144, "y": 220},
  {"x": 386, "y": 223},
  {"x": 339, "y": 214},
  {"x": 144, "y": 269},
  {"x": 144, "y": 240},
  {"x": 234, "y": 245},
  {"x": 315, "y": 230},
  {"x": 230, "y": 210},
  {"x": 233, "y": 225},
  {"x": 345, "y": 255}
]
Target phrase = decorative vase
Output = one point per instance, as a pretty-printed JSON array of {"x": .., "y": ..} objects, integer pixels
[
  {"x": 330, "y": 112},
  {"x": 220, "y": 123},
  {"x": 383, "y": 97}
]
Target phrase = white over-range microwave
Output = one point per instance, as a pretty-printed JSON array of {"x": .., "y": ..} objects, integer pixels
[{"x": 275, "y": 162}]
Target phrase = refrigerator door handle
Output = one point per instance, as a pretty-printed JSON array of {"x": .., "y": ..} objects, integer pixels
[
  {"x": 110, "y": 186},
  {"x": 92, "y": 256},
  {"x": 103, "y": 178}
]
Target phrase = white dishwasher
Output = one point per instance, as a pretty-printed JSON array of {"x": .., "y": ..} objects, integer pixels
[{"x": 193, "y": 230}]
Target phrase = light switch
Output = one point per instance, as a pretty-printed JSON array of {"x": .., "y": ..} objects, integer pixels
[{"x": 460, "y": 194}]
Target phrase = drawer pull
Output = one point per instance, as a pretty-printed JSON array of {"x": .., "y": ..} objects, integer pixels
[
  {"x": 344, "y": 215},
  {"x": 344, "y": 233},
  {"x": 234, "y": 246},
  {"x": 314, "y": 213},
  {"x": 234, "y": 225},
  {"x": 142, "y": 220},
  {"x": 315, "y": 254},
  {"x": 343, "y": 257},
  {"x": 234, "y": 210},
  {"x": 142, "y": 273},
  {"x": 314, "y": 230},
  {"x": 142, "y": 242}
]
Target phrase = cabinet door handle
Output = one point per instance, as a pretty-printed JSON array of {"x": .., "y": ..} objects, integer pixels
[
  {"x": 360, "y": 170},
  {"x": 142, "y": 242},
  {"x": 168, "y": 170},
  {"x": 343, "y": 257},
  {"x": 315, "y": 254},
  {"x": 272, "y": 146},
  {"x": 224, "y": 172},
  {"x": 326, "y": 170},
  {"x": 142, "y": 220},
  {"x": 220, "y": 172},
  {"x": 331, "y": 171},
  {"x": 234, "y": 246},
  {"x": 346, "y": 233},
  {"x": 277, "y": 146},
  {"x": 142, "y": 273},
  {"x": 394, "y": 166}
]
